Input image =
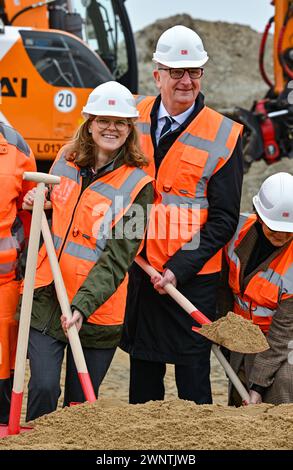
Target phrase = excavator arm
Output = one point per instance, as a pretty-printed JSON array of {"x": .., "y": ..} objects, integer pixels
[{"x": 269, "y": 124}]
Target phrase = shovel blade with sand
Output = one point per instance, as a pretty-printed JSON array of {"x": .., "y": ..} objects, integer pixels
[
  {"x": 232, "y": 331},
  {"x": 235, "y": 333}
]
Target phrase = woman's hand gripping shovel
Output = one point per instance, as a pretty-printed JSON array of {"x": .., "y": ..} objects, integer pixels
[
  {"x": 202, "y": 320},
  {"x": 39, "y": 222}
]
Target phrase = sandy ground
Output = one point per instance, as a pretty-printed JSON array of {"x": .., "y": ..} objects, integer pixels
[
  {"x": 112, "y": 424},
  {"x": 115, "y": 384},
  {"x": 170, "y": 424}
]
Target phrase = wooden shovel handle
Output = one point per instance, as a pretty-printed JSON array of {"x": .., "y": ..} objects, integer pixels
[
  {"x": 72, "y": 333},
  {"x": 62, "y": 297},
  {"x": 175, "y": 294},
  {"x": 25, "y": 312},
  {"x": 200, "y": 318},
  {"x": 27, "y": 207},
  {"x": 41, "y": 177}
]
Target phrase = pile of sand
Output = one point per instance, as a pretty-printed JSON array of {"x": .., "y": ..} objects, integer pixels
[
  {"x": 258, "y": 172},
  {"x": 236, "y": 334},
  {"x": 175, "y": 424}
]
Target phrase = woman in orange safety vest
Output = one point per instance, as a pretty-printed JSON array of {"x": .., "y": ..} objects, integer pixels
[
  {"x": 15, "y": 158},
  {"x": 259, "y": 273},
  {"x": 98, "y": 222}
]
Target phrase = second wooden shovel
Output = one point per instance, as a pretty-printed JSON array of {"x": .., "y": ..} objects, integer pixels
[{"x": 199, "y": 317}]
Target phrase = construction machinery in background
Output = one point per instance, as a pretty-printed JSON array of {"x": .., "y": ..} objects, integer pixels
[
  {"x": 52, "y": 54},
  {"x": 268, "y": 125}
]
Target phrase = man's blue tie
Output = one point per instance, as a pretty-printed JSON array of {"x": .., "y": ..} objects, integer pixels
[{"x": 167, "y": 126}]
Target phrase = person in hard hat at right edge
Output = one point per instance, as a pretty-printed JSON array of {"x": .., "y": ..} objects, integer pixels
[
  {"x": 258, "y": 285},
  {"x": 195, "y": 154},
  {"x": 99, "y": 213}
]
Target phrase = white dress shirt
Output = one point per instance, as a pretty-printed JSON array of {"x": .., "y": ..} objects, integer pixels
[{"x": 178, "y": 120}]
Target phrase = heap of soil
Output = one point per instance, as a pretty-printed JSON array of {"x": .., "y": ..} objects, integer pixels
[
  {"x": 236, "y": 334},
  {"x": 175, "y": 424}
]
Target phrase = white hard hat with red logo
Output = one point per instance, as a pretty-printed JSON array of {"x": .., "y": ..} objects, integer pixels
[
  {"x": 274, "y": 202},
  {"x": 111, "y": 99},
  {"x": 180, "y": 47}
]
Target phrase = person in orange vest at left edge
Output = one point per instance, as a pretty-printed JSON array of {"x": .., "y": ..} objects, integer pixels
[{"x": 15, "y": 158}]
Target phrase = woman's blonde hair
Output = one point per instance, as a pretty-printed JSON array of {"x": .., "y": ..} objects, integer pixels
[{"x": 82, "y": 149}]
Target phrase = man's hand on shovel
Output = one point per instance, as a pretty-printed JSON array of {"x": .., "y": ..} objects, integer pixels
[
  {"x": 77, "y": 319},
  {"x": 255, "y": 398},
  {"x": 159, "y": 281}
]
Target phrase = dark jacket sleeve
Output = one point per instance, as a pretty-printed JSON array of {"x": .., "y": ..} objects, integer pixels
[
  {"x": 224, "y": 194},
  {"x": 120, "y": 251},
  {"x": 225, "y": 299},
  {"x": 267, "y": 363}
]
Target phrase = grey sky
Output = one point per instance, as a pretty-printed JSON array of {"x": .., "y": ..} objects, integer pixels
[{"x": 254, "y": 13}]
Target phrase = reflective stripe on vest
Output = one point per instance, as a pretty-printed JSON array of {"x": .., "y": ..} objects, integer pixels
[
  {"x": 216, "y": 149},
  {"x": 139, "y": 99},
  {"x": 14, "y": 138},
  {"x": 62, "y": 168},
  {"x": 57, "y": 241},
  {"x": 7, "y": 243},
  {"x": 199, "y": 152},
  {"x": 256, "y": 310},
  {"x": 7, "y": 250},
  {"x": 168, "y": 199},
  {"x": 144, "y": 127},
  {"x": 260, "y": 300},
  {"x": 6, "y": 268},
  {"x": 15, "y": 158},
  {"x": 123, "y": 195},
  {"x": 284, "y": 282},
  {"x": 243, "y": 219}
]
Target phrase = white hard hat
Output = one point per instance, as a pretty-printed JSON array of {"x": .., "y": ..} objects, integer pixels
[
  {"x": 274, "y": 202},
  {"x": 111, "y": 99},
  {"x": 180, "y": 47}
]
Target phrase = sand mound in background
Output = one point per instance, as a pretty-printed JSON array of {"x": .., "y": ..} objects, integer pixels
[{"x": 258, "y": 172}]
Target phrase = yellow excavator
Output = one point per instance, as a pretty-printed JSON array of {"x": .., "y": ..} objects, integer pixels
[
  {"x": 52, "y": 54},
  {"x": 269, "y": 123}
]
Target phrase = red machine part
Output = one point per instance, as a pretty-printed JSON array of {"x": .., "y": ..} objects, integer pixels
[{"x": 271, "y": 148}]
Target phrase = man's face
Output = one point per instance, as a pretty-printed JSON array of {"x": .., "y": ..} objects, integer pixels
[{"x": 177, "y": 94}]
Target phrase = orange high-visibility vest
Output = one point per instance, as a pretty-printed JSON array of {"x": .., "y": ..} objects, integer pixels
[
  {"x": 9, "y": 296},
  {"x": 15, "y": 158},
  {"x": 81, "y": 225},
  {"x": 201, "y": 150},
  {"x": 266, "y": 289}
]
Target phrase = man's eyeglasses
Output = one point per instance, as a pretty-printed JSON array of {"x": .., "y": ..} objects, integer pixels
[
  {"x": 176, "y": 74},
  {"x": 119, "y": 124}
]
